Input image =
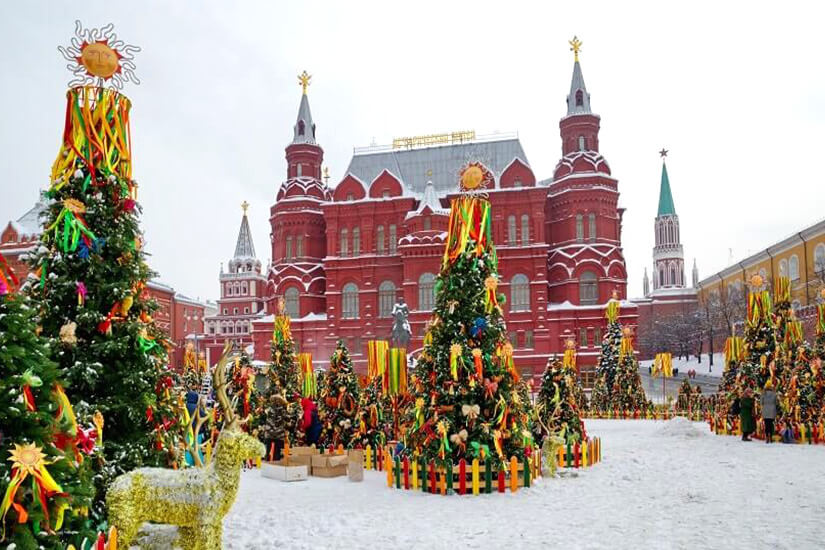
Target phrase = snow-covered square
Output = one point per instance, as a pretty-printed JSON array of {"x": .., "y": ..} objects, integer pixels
[{"x": 661, "y": 485}]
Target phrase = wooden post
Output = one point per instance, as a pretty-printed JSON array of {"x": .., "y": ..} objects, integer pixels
[
  {"x": 433, "y": 488},
  {"x": 397, "y": 469},
  {"x": 585, "y": 450},
  {"x": 560, "y": 457},
  {"x": 527, "y": 472},
  {"x": 513, "y": 474},
  {"x": 462, "y": 477},
  {"x": 576, "y": 456},
  {"x": 415, "y": 474},
  {"x": 406, "y": 474},
  {"x": 423, "y": 469},
  {"x": 475, "y": 476},
  {"x": 568, "y": 457},
  {"x": 501, "y": 479},
  {"x": 367, "y": 457},
  {"x": 443, "y": 481},
  {"x": 488, "y": 475}
]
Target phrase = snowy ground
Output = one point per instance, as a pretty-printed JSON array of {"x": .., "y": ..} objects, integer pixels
[
  {"x": 660, "y": 485},
  {"x": 692, "y": 363}
]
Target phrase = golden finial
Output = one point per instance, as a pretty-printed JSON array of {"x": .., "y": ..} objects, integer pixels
[
  {"x": 326, "y": 175},
  {"x": 245, "y": 206},
  {"x": 304, "y": 78},
  {"x": 429, "y": 174},
  {"x": 575, "y": 47}
]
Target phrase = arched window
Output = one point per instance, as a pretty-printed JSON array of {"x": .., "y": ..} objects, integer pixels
[
  {"x": 426, "y": 292},
  {"x": 519, "y": 293},
  {"x": 291, "y": 302},
  {"x": 579, "y": 228},
  {"x": 581, "y": 143},
  {"x": 299, "y": 246},
  {"x": 229, "y": 289},
  {"x": 511, "y": 230},
  {"x": 672, "y": 275},
  {"x": 783, "y": 268},
  {"x": 300, "y": 168},
  {"x": 819, "y": 260},
  {"x": 244, "y": 288},
  {"x": 579, "y": 98},
  {"x": 393, "y": 239},
  {"x": 301, "y": 127},
  {"x": 356, "y": 241},
  {"x": 386, "y": 298},
  {"x": 237, "y": 289},
  {"x": 525, "y": 229},
  {"x": 349, "y": 298},
  {"x": 239, "y": 327},
  {"x": 793, "y": 267},
  {"x": 661, "y": 277},
  {"x": 588, "y": 288},
  {"x": 591, "y": 229},
  {"x": 344, "y": 242},
  {"x": 379, "y": 239}
]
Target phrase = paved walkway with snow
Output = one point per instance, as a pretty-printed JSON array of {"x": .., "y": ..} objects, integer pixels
[{"x": 660, "y": 485}]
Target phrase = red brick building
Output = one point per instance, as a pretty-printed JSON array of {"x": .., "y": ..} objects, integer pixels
[
  {"x": 177, "y": 315},
  {"x": 341, "y": 257}
]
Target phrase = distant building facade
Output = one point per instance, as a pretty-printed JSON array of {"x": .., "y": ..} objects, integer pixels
[{"x": 341, "y": 257}]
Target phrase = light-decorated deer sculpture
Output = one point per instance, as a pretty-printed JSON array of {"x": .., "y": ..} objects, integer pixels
[{"x": 194, "y": 499}]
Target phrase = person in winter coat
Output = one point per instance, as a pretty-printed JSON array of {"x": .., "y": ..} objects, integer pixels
[
  {"x": 311, "y": 423},
  {"x": 768, "y": 402},
  {"x": 746, "y": 414}
]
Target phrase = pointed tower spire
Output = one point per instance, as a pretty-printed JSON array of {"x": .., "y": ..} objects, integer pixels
[
  {"x": 304, "y": 129},
  {"x": 244, "y": 247},
  {"x": 666, "y": 207},
  {"x": 646, "y": 284},
  {"x": 695, "y": 274},
  {"x": 578, "y": 100}
]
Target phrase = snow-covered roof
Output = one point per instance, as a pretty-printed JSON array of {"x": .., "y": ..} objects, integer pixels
[
  {"x": 413, "y": 166},
  {"x": 429, "y": 200}
]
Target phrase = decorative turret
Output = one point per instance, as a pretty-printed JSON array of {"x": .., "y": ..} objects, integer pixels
[
  {"x": 580, "y": 128},
  {"x": 668, "y": 256},
  {"x": 695, "y": 277},
  {"x": 244, "y": 259},
  {"x": 298, "y": 225},
  {"x": 646, "y": 284},
  {"x": 303, "y": 155}
]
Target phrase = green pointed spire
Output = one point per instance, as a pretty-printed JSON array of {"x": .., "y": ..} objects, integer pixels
[{"x": 666, "y": 207}]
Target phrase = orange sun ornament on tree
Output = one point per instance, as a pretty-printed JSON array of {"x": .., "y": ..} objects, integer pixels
[
  {"x": 97, "y": 56},
  {"x": 475, "y": 177}
]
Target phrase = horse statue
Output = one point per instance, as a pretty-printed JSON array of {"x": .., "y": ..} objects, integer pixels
[
  {"x": 401, "y": 331},
  {"x": 194, "y": 499}
]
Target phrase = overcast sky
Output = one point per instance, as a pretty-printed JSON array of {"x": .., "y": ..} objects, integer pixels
[{"x": 735, "y": 91}]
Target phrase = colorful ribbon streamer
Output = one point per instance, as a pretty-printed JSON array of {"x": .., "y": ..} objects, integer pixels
[
  {"x": 96, "y": 136},
  {"x": 377, "y": 351},
  {"x": 309, "y": 384},
  {"x": 395, "y": 376}
]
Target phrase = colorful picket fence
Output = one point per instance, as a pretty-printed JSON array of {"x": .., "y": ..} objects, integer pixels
[
  {"x": 809, "y": 433},
  {"x": 101, "y": 543},
  {"x": 664, "y": 414},
  {"x": 476, "y": 476}
]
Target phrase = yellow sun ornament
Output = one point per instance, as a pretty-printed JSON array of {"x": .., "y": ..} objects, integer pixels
[
  {"x": 472, "y": 177},
  {"x": 27, "y": 460}
]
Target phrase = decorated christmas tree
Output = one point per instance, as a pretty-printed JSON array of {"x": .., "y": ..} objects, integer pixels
[
  {"x": 734, "y": 354},
  {"x": 558, "y": 403},
  {"x": 373, "y": 428},
  {"x": 338, "y": 402},
  {"x": 627, "y": 393},
  {"x": 465, "y": 402},
  {"x": 45, "y": 456},
  {"x": 608, "y": 358},
  {"x": 819, "y": 345},
  {"x": 760, "y": 338},
  {"x": 91, "y": 288},
  {"x": 241, "y": 387},
  {"x": 279, "y": 404}
]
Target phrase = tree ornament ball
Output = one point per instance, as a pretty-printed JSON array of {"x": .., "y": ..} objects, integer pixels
[
  {"x": 756, "y": 281},
  {"x": 472, "y": 177}
]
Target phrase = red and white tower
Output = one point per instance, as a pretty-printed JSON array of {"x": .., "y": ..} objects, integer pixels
[
  {"x": 299, "y": 240},
  {"x": 586, "y": 263}
]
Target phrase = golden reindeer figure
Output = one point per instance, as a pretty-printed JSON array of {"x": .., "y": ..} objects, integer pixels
[{"x": 195, "y": 499}]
